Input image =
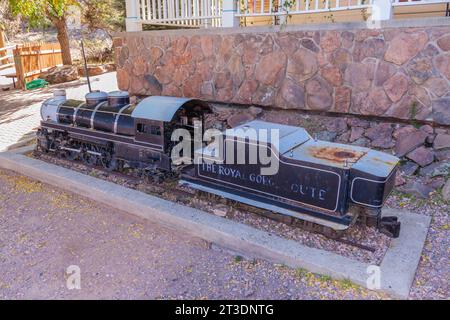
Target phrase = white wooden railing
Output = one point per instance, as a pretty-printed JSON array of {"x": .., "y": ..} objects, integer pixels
[
  {"x": 5, "y": 57},
  {"x": 253, "y": 8},
  {"x": 188, "y": 13},
  {"x": 416, "y": 2},
  {"x": 227, "y": 13}
]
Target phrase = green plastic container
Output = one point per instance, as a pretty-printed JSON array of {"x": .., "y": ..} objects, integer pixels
[{"x": 36, "y": 84}]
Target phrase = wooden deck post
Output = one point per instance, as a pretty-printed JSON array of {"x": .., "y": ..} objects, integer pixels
[
  {"x": 132, "y": 20},
  {"x": 229, "y": 11},
  {"x": 20, "y": 73},
  {"x": 2, "y": 42},
  {"x": 381, "y": 10},
  {"x": 2, "y": 45}
]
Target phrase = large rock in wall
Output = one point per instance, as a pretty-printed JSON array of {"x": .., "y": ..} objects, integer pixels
[{"x": 394, "y": 72}]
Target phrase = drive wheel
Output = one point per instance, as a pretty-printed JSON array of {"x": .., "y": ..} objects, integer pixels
[
  {"x": 88, "y": 158},
  {"x": 43, "y": 141},
  {"x": 69, "y": 155},
  {"x": 108, "y": 161},
  {"x": 43, "y": 144}
]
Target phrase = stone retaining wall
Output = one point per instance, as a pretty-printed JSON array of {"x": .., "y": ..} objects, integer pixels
[{"x": 400, "y": 72}]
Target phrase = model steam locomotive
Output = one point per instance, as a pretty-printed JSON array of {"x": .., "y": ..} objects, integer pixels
[
  {"x": 106, "y": 129},
  {"x": 317, "y": 182}
]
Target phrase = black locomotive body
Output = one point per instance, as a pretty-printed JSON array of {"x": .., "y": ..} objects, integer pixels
[
  {"x": 107, "y": 129},
  {"x": 319, "y": 182}
]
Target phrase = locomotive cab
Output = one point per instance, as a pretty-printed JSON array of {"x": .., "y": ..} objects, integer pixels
[
  {"x": 150, "y": 131},
  {"x": 156, "y": 118}
]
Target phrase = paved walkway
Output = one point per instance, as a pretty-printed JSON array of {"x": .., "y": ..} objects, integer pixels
[
  {"x": 20, "y": 110},
  {"x": 4, "y": 82}
]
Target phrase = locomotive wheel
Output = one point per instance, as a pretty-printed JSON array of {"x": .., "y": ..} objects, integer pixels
[
  {"x": 52, "y": 145},
  {"x": 89, "y": 159},
  {"x": 157, "y": 179},
  {"x": 43, "y": 145},
  {"x": 70, "y": 155},
  {"x": 151, "y": 176},
  {"x": 43, "y": 141},
  {"x": 120, "y": 165},
  {"x": 108, "y": 161},
  {"x": 67, "y": 154}
]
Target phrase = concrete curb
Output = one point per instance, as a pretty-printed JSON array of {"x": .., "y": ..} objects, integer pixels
[
  {"x": 397, "y": 268},
  {"x": 21, "y": 144}
]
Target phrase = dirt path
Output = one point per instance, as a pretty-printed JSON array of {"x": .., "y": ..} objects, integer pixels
[{"x": 43, "y": 231}]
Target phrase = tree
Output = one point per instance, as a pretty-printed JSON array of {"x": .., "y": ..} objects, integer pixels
[
  {"x": 8, "y": 22},
  {"x": 108, "y": 15},
  {"x": 41, "y": 11}
]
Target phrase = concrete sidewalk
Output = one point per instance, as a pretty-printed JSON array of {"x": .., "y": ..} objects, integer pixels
[{"x": 6, "y": 81}]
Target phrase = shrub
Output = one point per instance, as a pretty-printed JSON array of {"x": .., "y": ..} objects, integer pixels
[
  {"x": 9, "y": 23},
  {"x": 98, "y": 51}
]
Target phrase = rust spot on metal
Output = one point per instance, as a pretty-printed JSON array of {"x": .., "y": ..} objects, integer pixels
[
  {"x": 335, "y": 154},
  {"x": 344, "y": 154}
]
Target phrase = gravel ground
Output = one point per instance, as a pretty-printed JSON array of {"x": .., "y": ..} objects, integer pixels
[
  {"x": 433, "y": 275},
  {"x": 363, "y": 235},
  {"x": 44, "y": 230}
]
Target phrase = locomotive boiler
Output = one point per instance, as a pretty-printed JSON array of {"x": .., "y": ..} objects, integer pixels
[{"x": 317, "y": 182}]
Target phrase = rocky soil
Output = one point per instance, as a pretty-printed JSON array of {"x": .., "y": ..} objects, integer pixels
[
  {"x": 60, "y": 74},
  {"x": 432, "y": 279},
  {"x": 64, "y": 74}
]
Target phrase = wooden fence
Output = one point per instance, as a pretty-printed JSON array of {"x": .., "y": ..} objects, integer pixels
[
  {"x": 32, "y": 59},
  {"x": 4, "y": 56}
]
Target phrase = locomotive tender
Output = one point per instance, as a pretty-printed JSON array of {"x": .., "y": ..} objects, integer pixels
[{"x": 319, "y": 182}]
